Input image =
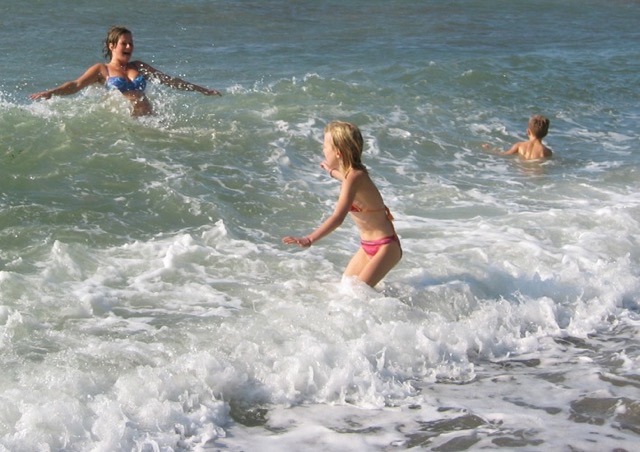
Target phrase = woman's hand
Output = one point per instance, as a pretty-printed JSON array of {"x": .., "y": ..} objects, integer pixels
[
  {"x": 41, "y": 95},
  {"x": 211, "y": 92}
]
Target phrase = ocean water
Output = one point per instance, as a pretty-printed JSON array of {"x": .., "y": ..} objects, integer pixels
[{"x": 146, "y": 300}]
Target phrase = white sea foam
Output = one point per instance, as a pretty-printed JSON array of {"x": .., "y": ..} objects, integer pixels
[{"x": 146, "y": 299}]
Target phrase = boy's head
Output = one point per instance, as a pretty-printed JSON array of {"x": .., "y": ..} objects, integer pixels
[{"x": 539, "y": 126}]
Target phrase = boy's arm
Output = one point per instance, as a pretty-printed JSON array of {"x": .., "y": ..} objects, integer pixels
[{"x": 514, "y": 150}]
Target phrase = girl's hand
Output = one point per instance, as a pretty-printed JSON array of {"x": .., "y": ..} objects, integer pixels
[
  {"x": 325, "y": 166},
  {"x": 304, "y": 242}
]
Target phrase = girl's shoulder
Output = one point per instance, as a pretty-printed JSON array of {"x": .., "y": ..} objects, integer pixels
[
  {"x": 356, "y": 174},
  {"x": 358, "y": 180},
  {"x": 354, "y": 177}
]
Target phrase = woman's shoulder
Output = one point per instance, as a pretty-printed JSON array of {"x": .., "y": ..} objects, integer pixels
[
  {"x": 95, "y": 73},
  {"x": 98, "y": 67},
  {"x": 142, "y": 66}
]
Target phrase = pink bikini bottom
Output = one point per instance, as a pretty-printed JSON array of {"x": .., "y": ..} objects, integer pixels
[{"x": 371, "y": 247}]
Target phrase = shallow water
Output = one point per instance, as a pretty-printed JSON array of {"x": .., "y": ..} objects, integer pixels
[{"x": 146, "y": 300}]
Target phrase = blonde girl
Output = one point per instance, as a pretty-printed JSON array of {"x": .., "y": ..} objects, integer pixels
[{"x": 380, "y": 247}]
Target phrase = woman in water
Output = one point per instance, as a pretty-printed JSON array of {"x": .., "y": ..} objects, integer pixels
[{"x": 129, "y": 77}]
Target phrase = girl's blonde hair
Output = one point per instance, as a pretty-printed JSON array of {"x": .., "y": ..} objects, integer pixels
[
  {"x": 348, "y": 140},
  {"x": 113, "y": 36}
]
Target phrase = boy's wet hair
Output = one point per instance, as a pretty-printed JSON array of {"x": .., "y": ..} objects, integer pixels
[{"x": 539, "y": 126}]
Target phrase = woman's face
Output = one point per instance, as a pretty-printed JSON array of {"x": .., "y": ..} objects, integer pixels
[{"x": 123, "y": 49}]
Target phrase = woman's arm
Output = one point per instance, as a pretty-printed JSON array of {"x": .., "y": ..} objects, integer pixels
[
  {"x": 173, "y": 82},
  {"x": 90, "y": 76}
]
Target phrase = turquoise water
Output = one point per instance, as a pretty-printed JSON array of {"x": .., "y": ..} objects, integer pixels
[{"x": 146, "y": 300}]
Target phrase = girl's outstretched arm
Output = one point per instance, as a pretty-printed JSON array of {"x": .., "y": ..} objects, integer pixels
[{"x": 347, "y": 195}]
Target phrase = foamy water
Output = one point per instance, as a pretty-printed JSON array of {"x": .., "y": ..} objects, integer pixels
[{"x": 146, "y": 300}]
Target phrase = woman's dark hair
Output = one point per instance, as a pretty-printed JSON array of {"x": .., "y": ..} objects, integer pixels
[{"x": 113, "y": 36}]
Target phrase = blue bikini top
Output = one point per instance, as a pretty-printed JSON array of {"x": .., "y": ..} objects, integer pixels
[{"x": 124, "y": 84}]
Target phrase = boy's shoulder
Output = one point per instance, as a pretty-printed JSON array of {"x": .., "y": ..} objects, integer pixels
[{"x": 534, "y": 150}]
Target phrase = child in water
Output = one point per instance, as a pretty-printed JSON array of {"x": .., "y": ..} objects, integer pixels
[
  {"x": 533, "y": 149},
  {"x": 380, "y": 247}
]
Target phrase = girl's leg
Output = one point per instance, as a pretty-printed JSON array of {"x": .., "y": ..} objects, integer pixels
[
  {"x": 379, "y": 265},
  {"x": 371, "y": 270},
  {"x": 357, "y": 263}
]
